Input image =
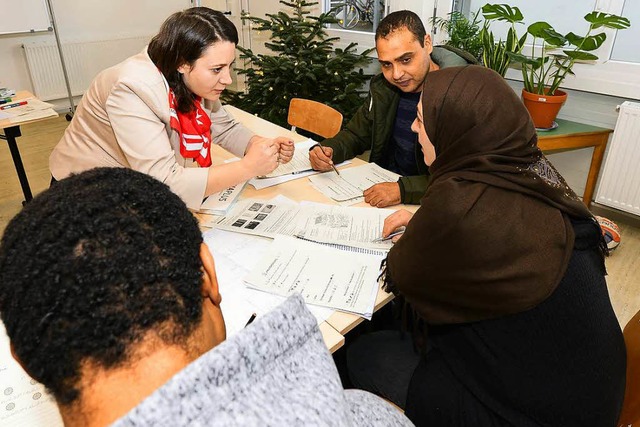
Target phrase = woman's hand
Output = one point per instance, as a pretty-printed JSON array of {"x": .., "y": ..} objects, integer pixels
[
  {"x": 320, "y": 158},
  {"x": 399, "y": 218},
  {"x": 261, "y": 157},
  {"x": 286, "y": 148}
]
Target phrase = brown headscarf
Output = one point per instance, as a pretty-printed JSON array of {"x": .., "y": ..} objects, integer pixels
[{"x": 492, "y": 235}]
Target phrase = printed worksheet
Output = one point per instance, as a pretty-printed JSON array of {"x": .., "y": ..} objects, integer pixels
[
  {"x": 235, "y": 255},
  {"x": 23, "y": 400},
  {"x": 261, "y": 217},
  {"x": 338, "y": 225},
  {"x": 324, "y": 276},
  {"x": 347, "y": 187}
]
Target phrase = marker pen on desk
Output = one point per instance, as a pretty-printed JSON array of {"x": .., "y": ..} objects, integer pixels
[{"x": 15, "y": 104}]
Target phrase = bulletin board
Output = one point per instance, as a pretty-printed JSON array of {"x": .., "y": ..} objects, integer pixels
[{"x": 24, "y": 16}]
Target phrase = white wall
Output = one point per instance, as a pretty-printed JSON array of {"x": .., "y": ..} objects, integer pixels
[{"x": 85, "y": 20}]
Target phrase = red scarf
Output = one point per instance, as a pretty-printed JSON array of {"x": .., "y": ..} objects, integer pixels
[{"x": 194, "y": 129}]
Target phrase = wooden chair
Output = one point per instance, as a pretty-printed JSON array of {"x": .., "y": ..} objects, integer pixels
[
  {"x": 630, "y": 415},
  {"x": 314, "y": 117}
]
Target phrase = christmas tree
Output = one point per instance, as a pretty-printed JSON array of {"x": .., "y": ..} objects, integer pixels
[{"x": 304, "y": 65}]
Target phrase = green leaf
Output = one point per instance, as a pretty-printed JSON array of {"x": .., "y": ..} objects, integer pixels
[
  {"x": 546, "y": 32},
  {"x": 599, "y": 19},
  {"x": 587, "y": 43},
  {"x": 578, "y": 55},
  {"x": 502, "y": 12}
]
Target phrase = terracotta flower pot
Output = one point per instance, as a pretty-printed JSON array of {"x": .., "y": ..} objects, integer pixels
[{"x": 543, "y": 108}]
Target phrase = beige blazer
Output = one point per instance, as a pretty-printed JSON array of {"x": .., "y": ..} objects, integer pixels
[{"x": 123, "y": 121}]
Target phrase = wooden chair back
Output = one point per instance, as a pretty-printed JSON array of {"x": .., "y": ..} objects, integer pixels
[
  {"x": 630, "y": 415},
  {"x": 314, "y": 117}
]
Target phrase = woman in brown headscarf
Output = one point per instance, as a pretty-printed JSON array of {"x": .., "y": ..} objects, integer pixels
[{"x": 503, "y": 267}]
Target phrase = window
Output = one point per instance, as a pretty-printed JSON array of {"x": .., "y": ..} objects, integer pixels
[
  {"x": 617, "y": 72},
  {"x": 625, "y": 46},
  {"x": 356, "y": 15}
]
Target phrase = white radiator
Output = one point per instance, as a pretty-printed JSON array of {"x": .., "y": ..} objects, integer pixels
[
  {"x": 83, "y": 59},
  {"x": 620, "y": 178}
]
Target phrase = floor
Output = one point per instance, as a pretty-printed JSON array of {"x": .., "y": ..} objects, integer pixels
[{"x": 39, "y": 139}]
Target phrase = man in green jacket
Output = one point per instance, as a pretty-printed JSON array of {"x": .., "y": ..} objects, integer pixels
[{"x": 383, "y": 122}]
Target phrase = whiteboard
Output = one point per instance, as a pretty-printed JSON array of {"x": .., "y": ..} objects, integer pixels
[{"x": 24, "y": 16}]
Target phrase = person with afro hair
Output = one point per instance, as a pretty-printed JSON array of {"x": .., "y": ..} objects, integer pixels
[{"x": 110, "y": 299}]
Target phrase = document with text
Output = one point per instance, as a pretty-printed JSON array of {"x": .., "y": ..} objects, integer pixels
[
  {"x": 24, "y": 401},
  {"x": 339, "y": 225},
  {"x": 323, "y": 275},
  {"x": 261, "y": 217},
  {"x": 347, "y": 187},
  {"x": 235, "y": 255}
]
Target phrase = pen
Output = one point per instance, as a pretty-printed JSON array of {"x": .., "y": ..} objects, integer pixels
[
  {"x": 332, "y": 165},
  {"x": 15, "y": 104},
  {"x": 390, "y": 236},
  {"x": 251, "y": 319}
]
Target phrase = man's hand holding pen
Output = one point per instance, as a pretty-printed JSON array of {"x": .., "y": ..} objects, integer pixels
[{"x": 321, "y": 158}]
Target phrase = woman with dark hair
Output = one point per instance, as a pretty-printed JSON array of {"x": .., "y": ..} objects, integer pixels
[
  {"x": 158, "y": 112},
  {"x": 502, "y": 271}
]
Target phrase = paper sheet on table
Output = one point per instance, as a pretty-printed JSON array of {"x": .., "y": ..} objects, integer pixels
[
  {"x": 261, "y": 218},
  {"x": 235, "y": 255},
  {"x": 32, "y": 105},
  {"x": 23, "y": 401},
  {"x": 349, "y": 185},
  {"x": 34, "y": 115},
  {"x": 324, "y": 276},
  {"x": 348, "y": 226}
]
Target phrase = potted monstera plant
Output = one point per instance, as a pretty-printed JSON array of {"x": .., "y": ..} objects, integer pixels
[
  {"x": 546, "y": 67},
  {"x": 495, "y": 53}
]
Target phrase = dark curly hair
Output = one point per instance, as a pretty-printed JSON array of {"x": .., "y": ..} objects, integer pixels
[
  {"x": 402, "y": 19},
  {"x": 183, "y": 38},
  {"x": 91, "y": 265}
]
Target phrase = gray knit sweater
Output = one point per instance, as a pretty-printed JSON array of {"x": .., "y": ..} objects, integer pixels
[{"x": 276, "y": 372}]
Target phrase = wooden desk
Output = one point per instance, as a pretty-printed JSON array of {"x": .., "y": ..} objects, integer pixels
[
  {"x": 571, "y": 135},
  {"x": 299, "y": 190},
  {"x": 11, "y": 132}
]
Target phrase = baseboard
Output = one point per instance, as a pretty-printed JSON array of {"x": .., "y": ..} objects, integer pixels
[{"x": 615, "y": 214}]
